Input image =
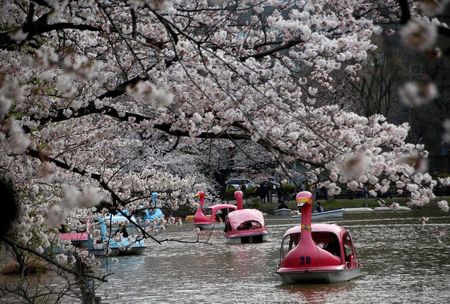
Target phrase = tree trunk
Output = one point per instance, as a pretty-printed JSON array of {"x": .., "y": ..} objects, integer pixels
[{"x": 86, "y": 285}]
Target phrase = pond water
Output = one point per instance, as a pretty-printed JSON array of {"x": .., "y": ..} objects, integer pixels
[{"x": 402, "y": 261}]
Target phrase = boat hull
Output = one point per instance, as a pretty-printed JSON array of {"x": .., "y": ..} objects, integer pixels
[
  {"x": 118, "y": 251},
  {"x": 326, "y": 214},
  {"x": 249, "y": 238},
  {"x": 358, "y": 210},
  {"x": 210, "y": 226},
  {"x": 282, "y": 212},
  {"x": 81, "y": 244},
  {"x": 388, "y": 209},
  {"x": 307, "y": 277}
]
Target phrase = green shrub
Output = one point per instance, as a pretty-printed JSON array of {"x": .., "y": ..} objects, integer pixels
[
  {"x": 229, "y": 193},
  {"x": 254, "y": 202},
  {"x": 250, "y": 191},
  {"x": 288, "y": 188}
]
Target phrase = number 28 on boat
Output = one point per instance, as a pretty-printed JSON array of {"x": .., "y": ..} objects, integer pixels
[{"x": 313, "y": 253}]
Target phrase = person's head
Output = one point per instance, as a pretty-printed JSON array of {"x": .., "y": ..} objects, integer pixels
[{"x": 318, "y": 203}]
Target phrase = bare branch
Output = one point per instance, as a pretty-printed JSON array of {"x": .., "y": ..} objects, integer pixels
[{"x": 49, "y": 260}]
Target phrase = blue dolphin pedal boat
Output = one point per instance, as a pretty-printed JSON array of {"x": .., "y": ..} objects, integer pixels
[{"x": 117, "y": 237}]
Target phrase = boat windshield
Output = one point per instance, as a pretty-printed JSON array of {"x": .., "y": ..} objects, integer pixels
[
  {"x": 249, "y": 225},
  {"x": 349, "y": 249},
  {"x": 323, "y": 239},
  {"x": 221, "y": 214},
  {"x": 127, "y": 231}
]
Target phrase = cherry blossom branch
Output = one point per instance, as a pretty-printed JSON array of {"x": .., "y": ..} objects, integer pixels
[
  {"x": 274, "y": 50},
  {"x": 166, "y": 24},
  {"x": 103, "y": 184},
  {"x": 380, "y": 200},
  {"x": 41, "y": 26},
  {"x": 224, "y": 90},
  {"x": 230, "y": 6},
  {"x": 63, "y": 165},
  {"x": 406, "y": 16},
  {"x": 51, "y": 261},
  {"x": 122, "y": 88},
  {"x": 126, "y": 117},
  {"x": 116, "y": 199},
  {"x": 117, "y": 30}
]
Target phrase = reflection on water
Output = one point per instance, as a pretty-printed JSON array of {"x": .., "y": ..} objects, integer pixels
[
  {"x": 318, "y": 293},
  {"x": 403, "y": 262}
]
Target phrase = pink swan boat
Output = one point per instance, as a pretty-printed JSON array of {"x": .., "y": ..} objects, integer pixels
[
  {"x": 216, "y": 214},
  {"x": 245, "y": 225},
  {"x": 317, "y": 252},
  {"x": 78, "y": 239}
]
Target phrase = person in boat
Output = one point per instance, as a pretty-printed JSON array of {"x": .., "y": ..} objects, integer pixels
[
  {"x": 152, "y": 214},
  {"x": 293, "y": 240},
  {"x": 219, "y": 216},
  {"x": 319, "y": 207},
  {"x": 249, "y": 225},
  {"x": 332, "y": 247},
  {"x": 122, "y": 229}
]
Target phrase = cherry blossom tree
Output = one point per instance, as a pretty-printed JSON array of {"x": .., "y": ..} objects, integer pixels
[{"x": 95, "y": 94}]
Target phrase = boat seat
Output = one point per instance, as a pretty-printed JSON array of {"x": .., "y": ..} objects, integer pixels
[
  {"x": 332, "y": 247},
  {"x": 328, "y": 258}
]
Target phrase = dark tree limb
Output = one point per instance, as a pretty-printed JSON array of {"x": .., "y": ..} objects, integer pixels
[
  {"x": 405, "y": 13},
  {"x": 42, "y": 3},
  {"x": 122, "y": 88},
  {"x": 274, "y": 50},
  {"x": 39, "y": 27},
  {"x": 49, "y": 260}
]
